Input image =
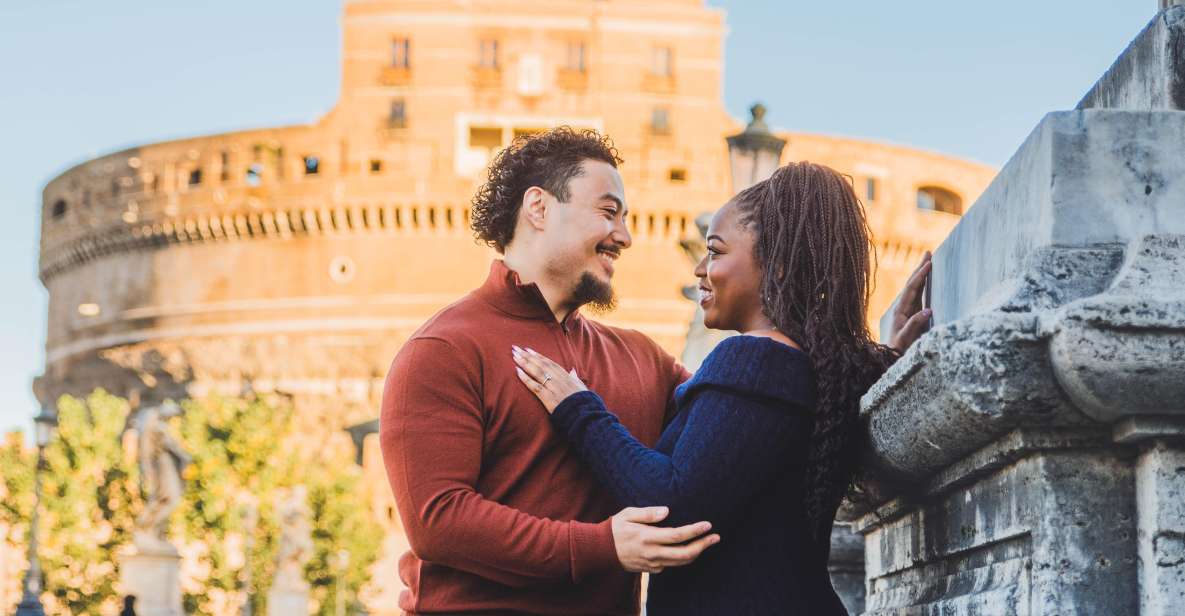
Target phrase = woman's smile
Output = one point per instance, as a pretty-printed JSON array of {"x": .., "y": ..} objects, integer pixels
[{"x": 705, "y": 296}]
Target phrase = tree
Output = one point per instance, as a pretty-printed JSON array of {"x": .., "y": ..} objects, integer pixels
[
  {"x": 243, "y": 449},
  {"x": 89, "y": 493}
]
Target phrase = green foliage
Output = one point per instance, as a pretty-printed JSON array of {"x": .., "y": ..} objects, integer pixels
[
  {"x": 244, "y": 450},
  {"x": 89, "y": 492}
]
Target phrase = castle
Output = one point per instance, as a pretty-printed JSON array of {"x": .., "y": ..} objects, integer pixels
[{"x": 298, "y": 259}]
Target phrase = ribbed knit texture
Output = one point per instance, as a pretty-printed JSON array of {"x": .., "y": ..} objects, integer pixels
[{"x": 734, "y": 455}]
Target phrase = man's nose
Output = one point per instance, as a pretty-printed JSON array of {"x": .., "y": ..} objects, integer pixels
[{"x": 621, "y": 234}]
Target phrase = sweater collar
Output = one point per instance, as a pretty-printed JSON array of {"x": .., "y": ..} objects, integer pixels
[
  {"x": 757, "y": 366},
  {"x": 504, "y": 290}
]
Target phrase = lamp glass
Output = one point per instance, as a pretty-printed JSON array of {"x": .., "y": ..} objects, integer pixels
[{"x": 44, "y": 425}]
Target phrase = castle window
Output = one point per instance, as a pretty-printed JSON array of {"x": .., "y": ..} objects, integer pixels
[
  {"x": 195, "y": 177},
  {"x": 870, "y": 189},
  {"x": 342, "y": 269},
  {"x": 376, "y": 165},
  {"x": 485, "y": 137},
  {"x": 527, "y": 132},
  {"x": 487, "y": 53},
  {"x": 662, "y": 60},
  {"x": 255, "y": 175},
  {"x": 397, "y": 116},
  {"x": 114, "y": 187},
  {"x": 312, "y": 165},
  {"x": 660, "y": 121},
  {"x": 401, "y": 53},
  {"x": 576, "y": 60},
  {"x": 58, "y": 211},
  {"x": 938, "y": 199},
  {"x": 677, "y": 175},
  {"x": 224, "y": 166}
]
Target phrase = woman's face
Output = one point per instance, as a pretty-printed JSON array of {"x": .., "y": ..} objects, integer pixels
[{"x": 729, "y": 277}]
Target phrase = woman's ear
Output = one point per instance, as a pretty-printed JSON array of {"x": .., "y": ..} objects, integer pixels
[{"x": 534, "y": 207}]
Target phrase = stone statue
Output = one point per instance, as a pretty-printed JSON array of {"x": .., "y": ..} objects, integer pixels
[
  {"x": 289, "y": 593},
  {"x": 161, "y": 461}
]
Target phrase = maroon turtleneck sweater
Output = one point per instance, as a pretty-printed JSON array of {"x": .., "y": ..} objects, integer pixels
[{"x": 501, "y": 514}]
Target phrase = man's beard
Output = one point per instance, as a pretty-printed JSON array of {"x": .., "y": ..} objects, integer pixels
[{"x": 597, "y": 295}]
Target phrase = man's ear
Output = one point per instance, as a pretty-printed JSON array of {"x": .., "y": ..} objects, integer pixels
[{"x": 534, "y": 207}]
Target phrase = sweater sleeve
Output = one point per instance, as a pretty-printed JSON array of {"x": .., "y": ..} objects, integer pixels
[
  {"x": 431, "y": 434},
  {"x": 730, "y": 446}
]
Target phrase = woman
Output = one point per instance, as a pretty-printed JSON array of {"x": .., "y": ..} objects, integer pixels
[{"x": 766, "y": 440}]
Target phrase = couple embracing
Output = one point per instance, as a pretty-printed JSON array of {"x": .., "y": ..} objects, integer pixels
[{"x": 541, "y": 460}]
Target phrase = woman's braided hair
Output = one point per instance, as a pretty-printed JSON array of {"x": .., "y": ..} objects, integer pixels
[{"x": 817, "y": 259}]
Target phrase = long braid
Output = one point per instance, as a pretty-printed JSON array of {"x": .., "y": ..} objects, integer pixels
[{"x": 814, "y": 244}]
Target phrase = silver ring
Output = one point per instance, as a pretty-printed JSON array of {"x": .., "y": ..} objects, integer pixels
[{"x": 546, "y": 378}]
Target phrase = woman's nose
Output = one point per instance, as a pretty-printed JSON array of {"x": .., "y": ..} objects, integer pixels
[{"x": 701, "y": 268}]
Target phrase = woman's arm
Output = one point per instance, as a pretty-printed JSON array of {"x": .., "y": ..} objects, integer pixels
[{"x": 729, "y": 448}]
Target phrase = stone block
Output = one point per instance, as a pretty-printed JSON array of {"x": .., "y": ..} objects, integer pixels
[
  {"x": 1048, "y": 534},
  {"x": 154, "y": 579},
  {"x": 1160, "y": 492},
  {"x": 1087, "y": 178},
  {"x": 1150, "y": 73}
]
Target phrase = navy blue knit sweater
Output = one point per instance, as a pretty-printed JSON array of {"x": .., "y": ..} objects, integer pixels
[{"x": 735, "y": 455}]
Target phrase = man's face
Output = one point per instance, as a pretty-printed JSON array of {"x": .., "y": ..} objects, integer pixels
[{"x": 583, "y": 237}]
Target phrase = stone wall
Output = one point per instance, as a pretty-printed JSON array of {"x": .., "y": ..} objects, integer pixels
[{"x": 1041, "y": 424}]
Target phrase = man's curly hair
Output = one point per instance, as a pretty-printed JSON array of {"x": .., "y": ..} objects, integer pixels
[{"x": 547, "y": 160}]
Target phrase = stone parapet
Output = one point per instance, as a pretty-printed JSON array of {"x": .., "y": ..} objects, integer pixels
[
  {"x": 1039, "y": 419},
  {"x": 1150, "y": 74}
]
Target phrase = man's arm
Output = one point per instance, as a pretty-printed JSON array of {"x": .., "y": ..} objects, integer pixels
[{"x": 431, "y": 432}]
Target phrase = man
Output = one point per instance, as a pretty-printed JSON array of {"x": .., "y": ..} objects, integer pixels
[{"x": 500, "y": 513}]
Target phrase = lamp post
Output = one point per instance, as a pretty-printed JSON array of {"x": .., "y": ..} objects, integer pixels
[
  {"x": 754, "y": 153},
  {"x": 30, "y": 605},
  {"x": 342, "y": 561},
  {"x": 249, "y": 512}
]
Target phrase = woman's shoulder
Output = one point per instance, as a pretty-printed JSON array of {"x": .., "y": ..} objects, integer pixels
[{"x": 759, "y": 366}]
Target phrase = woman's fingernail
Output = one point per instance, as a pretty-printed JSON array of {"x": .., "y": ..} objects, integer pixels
[
  {"x": 531, "y": 351},
  {"x": 927, "y": 312}
]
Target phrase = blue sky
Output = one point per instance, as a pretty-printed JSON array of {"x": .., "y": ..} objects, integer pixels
[{"x": 79, "y": 78}]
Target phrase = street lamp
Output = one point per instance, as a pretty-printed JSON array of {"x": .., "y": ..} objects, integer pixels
[
  {"x": 30, "y": 605},
  {"x": 754, "y": 153},
  {"x": 342, "y": 561}
]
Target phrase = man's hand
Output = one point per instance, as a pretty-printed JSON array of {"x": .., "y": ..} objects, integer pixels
[
  {"x": 642, "y": 547},
  {"x": 910, "y": 321}
]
